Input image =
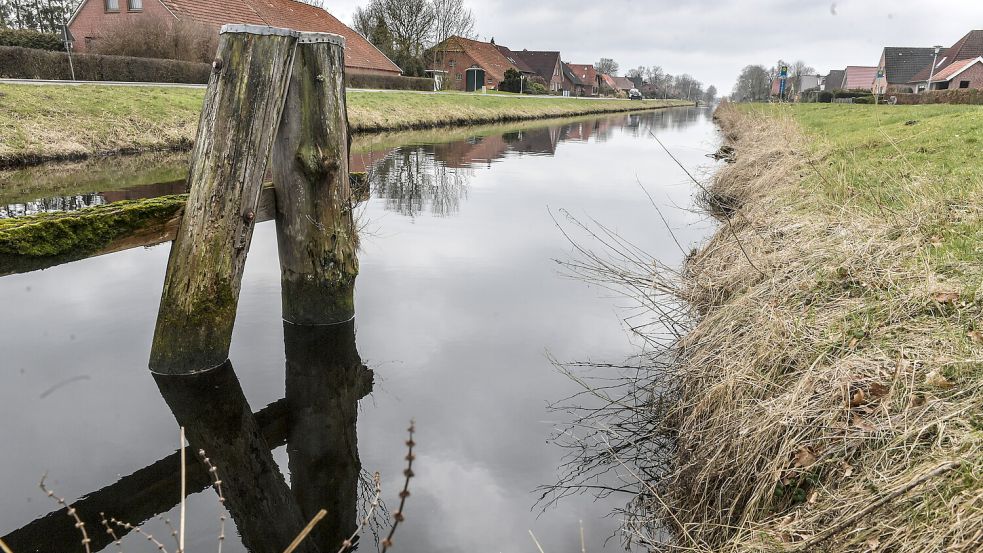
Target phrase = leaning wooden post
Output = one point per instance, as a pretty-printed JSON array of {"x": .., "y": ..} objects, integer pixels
[
  {"x": 242, "y": 109},
  {"x": 315, "y": 228}
]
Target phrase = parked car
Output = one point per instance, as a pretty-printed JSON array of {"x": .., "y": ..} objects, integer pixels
[{"x": 634, "y": 94}]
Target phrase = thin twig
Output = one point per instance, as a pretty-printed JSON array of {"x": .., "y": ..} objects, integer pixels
[
  {"x": 535, "y": 541},
  {"x": 184, "y": 494},
  {"x": 583, "y": 544},
  {"x": 730, "y": 222},
  {"x": 306, "y": 531},
  {"x": 398, "y": 516},
  {"x": 347, "y": 544},
  {"x": 112, "y": 534},
  {"x": 129, "y": 527},
  {"x": 71, "y": 512},
  {"x": 217, "y": 484}
]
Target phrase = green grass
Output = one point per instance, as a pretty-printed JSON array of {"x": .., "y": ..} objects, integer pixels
[
  {"x": 55, "y": 122},
  {"x": 896, "y": 159}
]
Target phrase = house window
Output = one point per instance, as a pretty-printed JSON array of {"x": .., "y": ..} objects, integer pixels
[
  {"x": 112, "y": 5},
  {"x": 452, "y": 64},
  {"x": 134, "y": 5},
  {"x": 963, "y": 84},
  {"x": 460, "y": 76}
]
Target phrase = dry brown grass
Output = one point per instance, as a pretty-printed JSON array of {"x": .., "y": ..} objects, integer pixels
[
  {"x": 823, "y": 390},
  {"x": 830, "y": 397}
]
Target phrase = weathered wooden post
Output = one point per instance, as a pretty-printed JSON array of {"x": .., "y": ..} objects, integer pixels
[
  {"x": 315, "y": 227},
  {"x": 241, "y": 112},
  {"x": 318, "y": 245}
]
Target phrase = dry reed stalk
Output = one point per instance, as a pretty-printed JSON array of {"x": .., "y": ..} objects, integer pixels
[
  {"x": 809, "y": 361},
  {"x": 306, "y": 531},
  {"x": 4, "y": 548}
]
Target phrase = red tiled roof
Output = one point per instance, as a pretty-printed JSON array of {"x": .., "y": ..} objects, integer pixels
[
  {"x": 359, "y": 52},
  {"x": 968, "y": 47},
  {"x": 609, "y": 81},
  {"x": 585, "y": 72},
  {"x": 859, "y": 77},
  {"x": 515, "y": 60},
  {"x": 953, "y": 69},
  {"x": 624, "y": 83},
  {"x": 486, "y": 55}
]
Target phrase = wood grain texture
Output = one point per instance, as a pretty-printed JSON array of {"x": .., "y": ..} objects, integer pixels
[
  {"x": 316, "y": 232},
  {"x": 241, "y": 112}
]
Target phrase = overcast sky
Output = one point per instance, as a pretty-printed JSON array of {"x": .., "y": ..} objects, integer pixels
[{"x": 713, "y": 39}]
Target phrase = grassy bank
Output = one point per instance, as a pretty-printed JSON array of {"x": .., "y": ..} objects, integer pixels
[
  {"x": 40, "y": 123},
  {"x": 829, "y": 395}
]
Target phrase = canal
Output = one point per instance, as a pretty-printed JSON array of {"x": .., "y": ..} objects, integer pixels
[{"x": 460, "y": 305}]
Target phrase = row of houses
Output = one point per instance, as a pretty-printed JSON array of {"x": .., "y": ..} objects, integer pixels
[
  {"x": 92, "y": 19},
  {"x": 917, "y": 69},
  {"x": 469, "y": 65}
]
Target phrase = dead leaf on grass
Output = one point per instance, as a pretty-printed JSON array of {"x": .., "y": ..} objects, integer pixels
[
  {"x": 877, "y": 390},
  {"x": 846, "y": 468},
  {"x": 804, "y": 457},
  {"x": 863, "y": 424},
  {"x": 975, "y": 336},
  {"x": 938, "y": 380},
  {"x": 946, "y": 297}
]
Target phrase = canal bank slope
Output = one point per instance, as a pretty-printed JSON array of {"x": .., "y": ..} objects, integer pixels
[
  {"x": 830, "y": 393},
  {"x": 41, "y": 123}
]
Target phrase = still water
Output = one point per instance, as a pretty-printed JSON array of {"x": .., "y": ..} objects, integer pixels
[{"x": 460, "y": 303}]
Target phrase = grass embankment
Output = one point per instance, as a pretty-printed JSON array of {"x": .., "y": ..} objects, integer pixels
[
  {"x": 40, "y": 123},
  {"x": 832, "y": 387}
]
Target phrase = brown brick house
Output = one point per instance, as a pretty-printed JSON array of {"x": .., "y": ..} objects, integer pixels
[
  {"x": 547, "y": 65},
  {"x": 580, "y": 79},
  {"x": 471, "y": 64},
  {"x": 94, "y": 17},
  {"x": 955, "y": 66}
]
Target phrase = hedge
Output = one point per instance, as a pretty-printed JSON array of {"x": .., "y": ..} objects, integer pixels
[
  {"x": 31, "y": 39},
  {"x": 25, "y": 63},
  {"x": 388, "y": 82},
  {"x": 972, "y": 96}
]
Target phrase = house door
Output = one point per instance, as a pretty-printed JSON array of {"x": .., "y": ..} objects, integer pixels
[{"x": 476, "y": 79}]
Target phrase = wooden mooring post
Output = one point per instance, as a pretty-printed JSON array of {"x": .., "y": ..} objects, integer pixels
[
  {"x": 242, "y": 110},
  {"x": 316, "y": 233}
]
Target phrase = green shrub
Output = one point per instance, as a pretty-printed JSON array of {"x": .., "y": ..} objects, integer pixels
[
  {"x": 863, "y": 100},
  {"x": 31, "y": 39},
  {"x": 25, "y": 63},
  {"x": 512, "y": 82},
  {"x": 825, "y": 97},
  {"x": 535, "y": 88},
  {"x": 388, "y": 82}
]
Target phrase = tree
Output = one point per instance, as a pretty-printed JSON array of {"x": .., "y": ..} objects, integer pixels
[
  {"x": 710, "y": 96},
  {"x": 407, "y": 30},
  {"x": 753, "y": 85},
  {"x": 46, "y": 16},
  {"x": 607, "y": 66}
]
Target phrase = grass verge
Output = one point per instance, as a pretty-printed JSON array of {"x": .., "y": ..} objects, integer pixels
[
  {"x": 831, "y": 389},
  {"x": 55, "y": 122},
  {"x": 813, "y": 378}
]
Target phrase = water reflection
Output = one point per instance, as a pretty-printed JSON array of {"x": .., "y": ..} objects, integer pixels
[
  {"x": 458, "y": 334},
  {"x": 435, "y": 178}
]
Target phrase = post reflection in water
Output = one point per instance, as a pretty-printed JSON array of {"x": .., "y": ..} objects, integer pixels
[
  {"x": 325, "y": 380},
  {"x": 217, "y": 419}
]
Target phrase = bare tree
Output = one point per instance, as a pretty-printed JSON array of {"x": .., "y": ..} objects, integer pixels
[
  {"x": 753, "y": 85},
  {"x": 607, "y": 66}
]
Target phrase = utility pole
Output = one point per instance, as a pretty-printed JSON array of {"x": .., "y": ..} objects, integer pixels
[{"x": 931, "y": 74}]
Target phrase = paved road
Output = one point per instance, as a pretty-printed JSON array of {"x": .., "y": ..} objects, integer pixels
[{"x": 181, "y": 85}]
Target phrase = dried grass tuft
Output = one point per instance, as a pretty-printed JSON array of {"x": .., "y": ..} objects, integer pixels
[{"x": 824, "y": 394}]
